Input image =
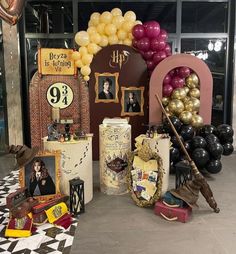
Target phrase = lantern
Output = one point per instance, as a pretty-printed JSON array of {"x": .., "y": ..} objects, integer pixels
[
  {"x": 77, "y": 196},
  {"x": 182, "y": 173}
]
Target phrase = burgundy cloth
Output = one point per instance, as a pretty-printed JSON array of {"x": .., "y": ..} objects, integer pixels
[{"x": 65, "y": 221}]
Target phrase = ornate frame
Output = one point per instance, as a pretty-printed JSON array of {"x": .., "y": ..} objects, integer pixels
[
  {"x": 156, "y": 196},
  {"x": 108, "y": 74},
  {"x": 44, "y": 155},
  {"x": 132, "y": 88}
]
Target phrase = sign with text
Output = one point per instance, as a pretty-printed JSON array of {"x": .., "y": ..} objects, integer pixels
[{"x": 52, "y": 61}]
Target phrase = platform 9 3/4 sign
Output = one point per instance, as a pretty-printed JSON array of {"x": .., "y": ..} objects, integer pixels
[{"x": 59, "y": 95}]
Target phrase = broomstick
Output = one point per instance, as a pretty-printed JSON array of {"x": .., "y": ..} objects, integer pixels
[{"x": 205, "y": 188}]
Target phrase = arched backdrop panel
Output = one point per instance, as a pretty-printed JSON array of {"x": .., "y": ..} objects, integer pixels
[
  {"x": 171, "y": 62},
  {"x": 41, "y": 110},
  {"x": 132, "y": 72}
]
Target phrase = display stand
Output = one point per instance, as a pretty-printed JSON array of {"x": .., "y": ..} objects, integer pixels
[
  {"x": 115, "y": 144},
  {"x": 161, "y": 145},
  {"x": 76, "y": 161}
]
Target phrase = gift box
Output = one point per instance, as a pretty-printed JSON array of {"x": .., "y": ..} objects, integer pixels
[
  {"x": 19, "y": 203},
  {"x": 19, "y": 227},
  {"x": 172, "y": 213}
]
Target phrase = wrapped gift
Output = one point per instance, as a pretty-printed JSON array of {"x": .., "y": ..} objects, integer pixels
[
  {"x": 19, "y": 227},
  {"x": 172, "y": 213},
  {"x": 19, "y": 203}
]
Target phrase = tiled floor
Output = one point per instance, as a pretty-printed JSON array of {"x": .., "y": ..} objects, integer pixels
[{"x": 113, "y": 224}]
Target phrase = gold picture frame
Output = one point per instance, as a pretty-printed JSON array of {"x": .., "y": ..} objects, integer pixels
[
  {"x": 136, "y": 107},
  {"x": 112, "y": 79},
  {"x": 43, "y": 185}
]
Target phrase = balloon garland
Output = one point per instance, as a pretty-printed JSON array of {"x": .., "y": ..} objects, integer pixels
[
  {"x": 181, "y": 95},
  {"x": 151, "y": 41},
  {"x": 107, "y": 28}
]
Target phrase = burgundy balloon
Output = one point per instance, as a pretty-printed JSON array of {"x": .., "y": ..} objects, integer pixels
[
  {"x": 152, "y": 29},
  {"x": 159, "y": 56},
  {"x": 148, "y": 55},
  {"x": 157, "y": 44},
  {"x": 167, "y": 79},
  {"x": 163, "y": 34},
  {"x": 168, "y": 49},
  {"x": 177, "y": 82},
  {"x": 150, "y": 65},
  {"x": 135, "y": 43},
  {"x": 184, "y": 72},
  {"x": 138, "y": 31},
  {"x": 172, "y": 73},
  {"x": 143, "y": 44},
  {"x": 167, "y": 90}
]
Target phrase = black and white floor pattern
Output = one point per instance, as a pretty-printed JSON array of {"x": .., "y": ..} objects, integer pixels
[{"x": 46, "y": 239}]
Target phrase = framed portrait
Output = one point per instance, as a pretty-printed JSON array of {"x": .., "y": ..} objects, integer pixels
[
  {"x": 106, "y": 87},
  {"x": 132, "y": 101},
  {"x": 41, "y": 175}
]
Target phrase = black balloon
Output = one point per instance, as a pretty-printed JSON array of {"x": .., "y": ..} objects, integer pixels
[
  {"x": 175, "y": 121},
  {"x": 175, "y": 141},
  {"x": 198, "y": 142},
  {"x": 206, "y": 130},
  {"x": 200, "y": 156},
  {"x": 187, "y": 132},
  {"x": 174, "y": 154},
  {"x": 214, "y": 166},
  {"x": 187, "y": 145},
  {"x": 211, "y": 138},
  {"x": 216, "y": 150},
  {"x": 225, "y": 132},
  {"x": 228, "y": 140},
  {"x": 228, "y": 149}
]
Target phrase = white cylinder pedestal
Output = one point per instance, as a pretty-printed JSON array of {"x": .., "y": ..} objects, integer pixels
[
  {"x": 76, "y": 161},
  {"x": 114, "y": 144}
]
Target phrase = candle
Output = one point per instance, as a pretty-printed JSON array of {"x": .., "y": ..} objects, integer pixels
[{"x": 55, "y": 114}]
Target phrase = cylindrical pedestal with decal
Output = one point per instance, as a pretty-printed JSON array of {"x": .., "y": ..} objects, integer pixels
[
  {"x": 76, "y": 161},
  {"x": 114, "y": 144}
]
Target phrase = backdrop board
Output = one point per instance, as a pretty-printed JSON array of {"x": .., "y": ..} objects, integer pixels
[
  {"x": 124, "y": 71},
  {"x": 66, "y": 93}
]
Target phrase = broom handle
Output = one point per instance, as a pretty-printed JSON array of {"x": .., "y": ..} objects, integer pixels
[
  {"x": 205, "y": 189},
  {"x": 195, "y": 169}
]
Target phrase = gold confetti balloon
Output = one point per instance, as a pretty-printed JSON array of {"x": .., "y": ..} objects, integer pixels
[
  {"x": 197, "y": 121},
  {"x": 194, "y": 92},
  {"x": 185, "y": 117},
  {"x": 165, "y": 101},
  {"x": 178, "y": 93}
]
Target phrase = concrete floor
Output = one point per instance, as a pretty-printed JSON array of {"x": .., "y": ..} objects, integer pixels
[{"x": 114, "y": 224}]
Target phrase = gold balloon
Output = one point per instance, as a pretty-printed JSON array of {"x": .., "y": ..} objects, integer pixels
[
  {"x": 186, "y": 89},
  {"x": 188, "y": 105},
  {"x": 194, "y": 92},
  {"x": 196, "y": 104},
  {"x": 195, "y": 79},
  {"x": 197, "y": 121},
  {"x": 167, "y": 109},
  {"x": 185, "y": 117},
  {"x": 165, "y": 101},
  {"x": 192, "y": 81},
  {"x": 178, "y": 93},
  {"x": 185, "y": 99},
  {"x": 176, "y": 106}
]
